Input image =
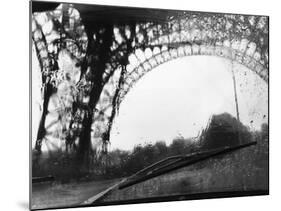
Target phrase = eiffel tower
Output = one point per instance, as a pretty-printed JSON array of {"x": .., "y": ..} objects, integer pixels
[{"x": 116, "y": 46}]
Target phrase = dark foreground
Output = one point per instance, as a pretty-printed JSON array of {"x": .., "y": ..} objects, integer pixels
[
  {"x": 242, "y": 172},
  {"x": 52, "y": 195}
]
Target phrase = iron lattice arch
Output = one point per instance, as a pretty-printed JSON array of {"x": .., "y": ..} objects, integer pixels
[{"x": 116, "y": 47}]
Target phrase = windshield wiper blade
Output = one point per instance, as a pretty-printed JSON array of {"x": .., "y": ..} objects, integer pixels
[
  {"x": 178, "y": 162},
  {"x": 159, "y": 163}
]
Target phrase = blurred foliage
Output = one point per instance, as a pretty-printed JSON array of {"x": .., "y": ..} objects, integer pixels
[
  {"x": 220, "y": 132},
  {"x": 224, "y": 130}
]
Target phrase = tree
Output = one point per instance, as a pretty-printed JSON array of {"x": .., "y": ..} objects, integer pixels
[{"x": 224, "y": 130}]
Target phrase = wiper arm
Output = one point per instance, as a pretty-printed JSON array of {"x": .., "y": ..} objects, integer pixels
[
  {"x": 164, "y": 161},
  {"x": 177, "y": 162}
]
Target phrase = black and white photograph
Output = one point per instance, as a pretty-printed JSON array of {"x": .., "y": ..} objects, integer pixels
[{"x": 134, "y": 105}]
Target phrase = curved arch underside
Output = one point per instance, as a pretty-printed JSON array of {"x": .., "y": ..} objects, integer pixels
[
  {"x": 184, "y": 50},
  {"x": 239, "y": 38}
]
